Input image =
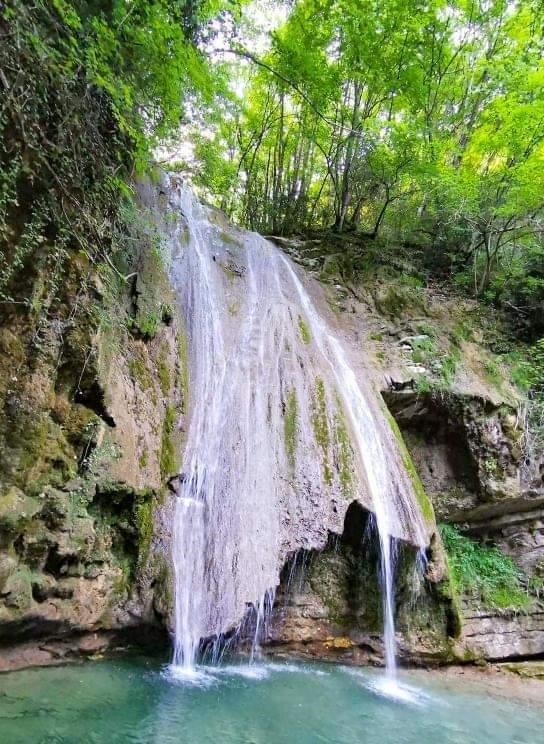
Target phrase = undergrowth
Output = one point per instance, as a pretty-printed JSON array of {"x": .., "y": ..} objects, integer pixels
[{"x": 483, "y": 572}]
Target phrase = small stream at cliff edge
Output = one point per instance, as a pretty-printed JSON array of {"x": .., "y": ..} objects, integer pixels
[{"x": 136, "y": 700}]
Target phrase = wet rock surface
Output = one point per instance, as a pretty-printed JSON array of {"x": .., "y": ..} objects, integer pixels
[
  {"x": 330, "y": 603},
  {"x": 462, "y": 422},
  {"x": 92, "y": 419}
]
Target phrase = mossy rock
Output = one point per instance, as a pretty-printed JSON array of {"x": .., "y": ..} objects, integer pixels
[
  {"x": 34, "y": 544},
  {"x": 43, "y": 586},
  {"x": 328, "y": 578},
  {"x": 332, "y": 267},
  {"x": 8, "y": 566},
  {"x": 163, "y": 590},
  {"x": 56, "y": 507},
  {"x": 290, "y": 427},
  {"x": 152, "y": 289},
  {"x": 17, "y": 509},
  {"x": 18, "y": 590},
  {"x": 423, "y": 500},
  {"x": 395, "y": 301},
  {"x": 169, "y": 456}
]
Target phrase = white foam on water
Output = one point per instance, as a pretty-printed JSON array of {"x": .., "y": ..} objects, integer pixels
[
  {"x": 296, "y": 668},
  {"x": 392, "y": 689},
  {"x": 248, "y": 671},
  {"x": 190, "y": 676}
]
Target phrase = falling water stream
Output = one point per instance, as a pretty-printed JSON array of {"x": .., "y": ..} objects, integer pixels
[{"x": 283, "y": 433}]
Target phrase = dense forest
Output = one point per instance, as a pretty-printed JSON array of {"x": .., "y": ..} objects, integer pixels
[
  {"x": 419, "y": 125},
  {"x": 410, "y": 133}
]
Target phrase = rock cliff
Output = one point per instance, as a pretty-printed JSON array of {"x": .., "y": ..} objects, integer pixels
[
  {"x": 92, "y": 400},
  {"x": 463, "y": 423}
]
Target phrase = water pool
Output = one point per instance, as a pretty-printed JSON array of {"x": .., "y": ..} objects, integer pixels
[{"x": 137, "y": 699}]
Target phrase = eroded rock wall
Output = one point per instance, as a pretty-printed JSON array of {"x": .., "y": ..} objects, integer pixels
[
  {"x": 462, "y": 420},
  {"x": 467, "y": 442},
  {"x": 92, "y": 420},
  {"x": 469, "y": 456},
  {"x": 330, "y": 602}
]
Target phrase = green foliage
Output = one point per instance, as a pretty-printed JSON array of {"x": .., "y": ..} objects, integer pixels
[
  {"x": 491, "y": 465},
  {"x": 483, "y": 572},
  {"x": 448, "y": 366},
  {"x": 426, "y": 329},
  {"x": 423, "y": 349},
  {"x": 521, "y": 370},
  {"x": 527, "y": 369},
  {"x": 536, "y": 586},
  {"x": 462, "y": 331},
  {"x": 493, "y": 371},
  {"x": 87, "y": 90},
  {"x": 424, "y": 385},
  {"x": 149, "y": 325},
  {"x": 411, "y": 125},
  {"x": 60, "y": 158},
  {"x": 534, "y": 369}
]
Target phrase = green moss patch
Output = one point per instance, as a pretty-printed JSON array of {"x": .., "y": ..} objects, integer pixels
[
  {"x": 345, "y": 453},
  {"x": 290, "y": 427},
  {"x": 139, "y": 371},
  {"x": 403, "y": 298},
  {"x": 483, "y": 572},
  {"x": 152, "y": 289},
  {"x": 168, "y": 456},
  {"x": 183, "y": 362},
  {"x": 229, "y": 239},
  {"x": 423, "y": 500},
  {"x": 144, "y": 518},
  {"x": 144, "y": 459},
  {"x": 320, "y": 424},
  {"x": 164, "y": 371},
  {"x": 304, "y": 330}
]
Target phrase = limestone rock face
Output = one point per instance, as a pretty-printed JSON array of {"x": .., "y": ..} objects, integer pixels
[
  {"x": 330, "y": 602},
  {"x": 467, "y": 451},
  {"x": 463, "y": 424},
  {"x": 498, "y": 637},
  {"x": 91, "y": 429}
]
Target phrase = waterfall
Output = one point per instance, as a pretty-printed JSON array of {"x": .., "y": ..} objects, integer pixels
[{"x": 284, "y": 432}]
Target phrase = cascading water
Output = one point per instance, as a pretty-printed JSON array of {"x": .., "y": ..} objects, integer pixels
[
  {"x": 391, "y": 513},
  {"x": 283, "y": 434}
]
